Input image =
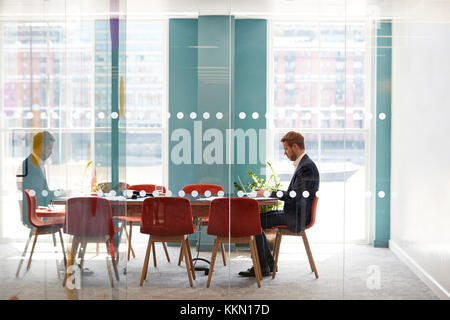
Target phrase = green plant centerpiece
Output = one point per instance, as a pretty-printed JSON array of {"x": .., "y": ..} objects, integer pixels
[{"x": 272, "y": 183}]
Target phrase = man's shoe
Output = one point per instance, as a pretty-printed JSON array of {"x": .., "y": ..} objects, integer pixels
[{"x": 251, "y": 272}]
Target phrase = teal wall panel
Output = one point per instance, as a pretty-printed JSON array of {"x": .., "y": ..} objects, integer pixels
[{"x": 382, "y": 132}]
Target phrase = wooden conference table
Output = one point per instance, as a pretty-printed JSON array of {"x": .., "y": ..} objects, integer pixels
[{"x": 133, "y": 207}]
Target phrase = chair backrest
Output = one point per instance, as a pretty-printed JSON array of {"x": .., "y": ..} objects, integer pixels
[
  {"x": 31, "y": 218},
  {"x": 201, "y": 188},
  {"x": 235, "y": 217},
  {"x": 313, "y": 213},
  {"x": 88, "y": 217},
  {"x": 166, "y": 216},
  {"x": 149, "y": 188}
]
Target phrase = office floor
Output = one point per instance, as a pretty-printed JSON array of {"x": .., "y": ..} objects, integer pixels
[{"x": 345, "y": 272}]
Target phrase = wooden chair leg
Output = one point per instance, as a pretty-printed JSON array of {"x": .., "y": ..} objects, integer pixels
[
  {"x": 32, "y": 250},
  {"x": 188, "y": 266},
  {"x": 213, "y": 261},
  {"x": 165, "y": 250},
  {"x": 222, "y": 248},
  {"x": 154, "y": 254},
  {"x": 147, "y": 256},
  {"x": 62, "y": 247},
  {"x": 130, "y": 247},
  {"x": 256, "y": 265},
  {"x": 108, "y": 267},
  {"x": 113, "y": 261},
  {"x": 276, "y": 253},
  {"x": 24, "y": 253},
  {"x": 190, "y": 258},
  {"x": 180, "y": 258},
  {"x": 71, "y": 262},
  {"x": 310, "y": 257}
]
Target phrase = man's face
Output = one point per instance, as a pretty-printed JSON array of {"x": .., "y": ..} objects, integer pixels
[
  {"x": 289, "y": 151},
  {"x": 47, "y": 150}
]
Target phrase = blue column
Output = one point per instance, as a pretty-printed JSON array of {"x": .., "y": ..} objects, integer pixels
[{"x": 383, "y": 60}]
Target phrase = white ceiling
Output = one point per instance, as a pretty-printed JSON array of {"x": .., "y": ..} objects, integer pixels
[{"x": 310, "y": 9}]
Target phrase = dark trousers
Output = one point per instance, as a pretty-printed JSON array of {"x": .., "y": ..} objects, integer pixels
[{"x": 268, "y": 220}]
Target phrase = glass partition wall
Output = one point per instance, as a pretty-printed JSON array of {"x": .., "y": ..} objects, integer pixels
[{"x": 194, "y": 104}]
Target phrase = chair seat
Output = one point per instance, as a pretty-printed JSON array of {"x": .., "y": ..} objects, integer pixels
[
  {"x": 128, "y": 219},
  {"x": 47, "y": 213}
]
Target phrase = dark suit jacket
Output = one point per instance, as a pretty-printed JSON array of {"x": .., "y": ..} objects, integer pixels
[{"x": 298, "y": 209}]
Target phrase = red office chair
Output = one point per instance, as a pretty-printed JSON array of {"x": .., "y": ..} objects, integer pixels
[
  {"x": 167, "y": 219},
  {"x": 136, "y": 221},
  {"x": 89, "y": 220},
  {"x": 39, "y": 226},
  {"x": 235, "y": 220},
  {"x": 284, "y": 231},
  {"x": 201, "y": 189}
]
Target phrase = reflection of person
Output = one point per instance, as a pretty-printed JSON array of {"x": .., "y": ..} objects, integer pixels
[
  {"x": 296, "y": 213},
  {"x": 33, "y": 172}
]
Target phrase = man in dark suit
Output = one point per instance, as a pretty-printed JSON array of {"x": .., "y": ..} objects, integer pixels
[{"x": 298, "y": 198}]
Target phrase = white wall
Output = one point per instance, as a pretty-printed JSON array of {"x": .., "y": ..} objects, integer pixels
[{"x": 420, "y": 169}]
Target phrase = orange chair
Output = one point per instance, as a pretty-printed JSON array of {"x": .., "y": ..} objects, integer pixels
[
  {"x": 167, "y": 219},
  {"x": 89, "y": 220},
  {"x": 235, "y": 220},
  {"x": 136, "y": 221},
  {"x": 40, "y": 227},
  {"x": 284, "y": 231},
  {"x": 201, "y": 189}
]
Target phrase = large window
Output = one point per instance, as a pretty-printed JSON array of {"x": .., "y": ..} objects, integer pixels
[
  {"x": 56, "y": 76},
  {"x": 319, "y": 87}
]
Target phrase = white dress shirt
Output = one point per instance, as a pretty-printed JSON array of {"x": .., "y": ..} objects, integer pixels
[{"x": 296, "y": 162}]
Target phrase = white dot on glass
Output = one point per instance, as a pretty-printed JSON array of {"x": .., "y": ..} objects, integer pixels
[
  {"x": 100, "y": 193},
  {"x": 193, "y": 115},
  {"x": 368, "y": 194},
  {"x": 44, "y": 193},
  {"x": 180, "y": 115},
  {"x": 294, "y": 116},
  {"x": 220, "y": 193},
  {"x": 30, "y": 115},
  {"x": 32, "y": 193},
  {"x": 317, "y": 193},
  {"x": 114, "y": 115},
  {"x": 57, "y": 193},
  {"x": 129, "y": 193},
  {"x": 181, "y": 193},
  {"x": 55, "y": 115},
  {"x": 194, "y": 193},
  {"x": 205, "y": 115},
  {"x": 101, "y": 115},
  {"x": 292, "y": 194},
  {"x": 369, "y": 115},
  {"x": 75, "y": 115},
  {"x": 242, "y": 115},
  {"x": 308, "y": 116},
  {"x": 142, "y": 193},
  {"x": 155, "y": 193},
  {"x": 219, "y": 115},
  {"x": 305, "y": 194},
  {"x": 253, "y": 194},
  {"x": 169, "y": 193},
  {"x": 255, "y": 115},
  {"x": 381, "y": 194},
  {"x": 240, "y": 193},
  {"x": 43, "y": 115},
  {"x": 266, "y": 193},
  {"x": 88, "y": 115},
  {"x": 279, "y": 194},
  {"x": 168, "y": 115},
  {"x": 207, "y": 193},
  {"x": 382, "y": 116},
  {"x": 267, "y": 116}
]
